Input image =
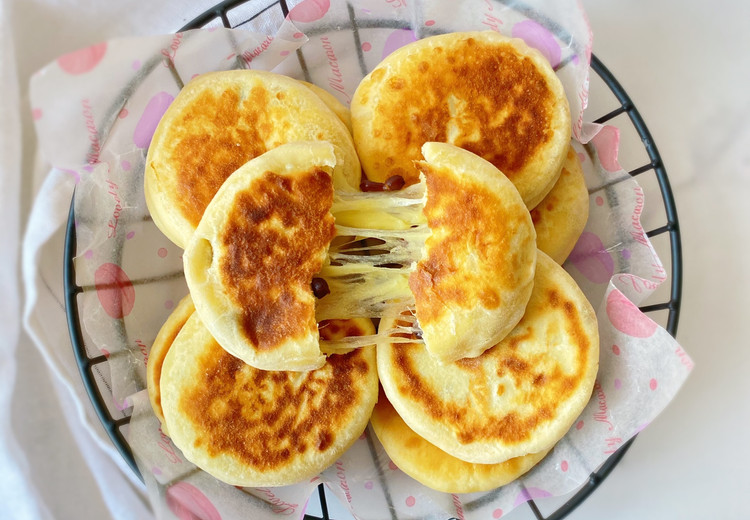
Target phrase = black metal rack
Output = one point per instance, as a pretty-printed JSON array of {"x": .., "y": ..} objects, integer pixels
[{"x": 88, "y": 364}]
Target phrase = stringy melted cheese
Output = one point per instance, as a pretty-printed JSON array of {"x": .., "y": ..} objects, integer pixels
[{"x": 380, "y": 238}]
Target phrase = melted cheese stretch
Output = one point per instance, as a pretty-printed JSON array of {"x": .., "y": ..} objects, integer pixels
[
  {"x": 380, "y": 238},
  {"x": 399, "y": 333},
  {"x": 380, "y": 210}
]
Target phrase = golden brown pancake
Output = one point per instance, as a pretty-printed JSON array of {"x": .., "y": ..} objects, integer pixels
[
  {"x": 561, "y": 217},
  {"x": 490, "y": 94},
  {"x": 217, "y": 123},
  {"x": 433, "y": 467},
  {"x": 158, "y": 352},
  {"x": 252, "y": 258},
  {"x": 475, "y": 276},
  {"x": 520, "y": 396},
  {"x": 249, "y": 427}
]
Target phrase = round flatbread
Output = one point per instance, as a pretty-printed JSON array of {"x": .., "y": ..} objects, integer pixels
[
  {"x": 475, "y": 276},
  {"x": 431, "y": 466},
  {"x": 249, "y": 427},
  {"x": 520, "y": 396},
  {"x": 490, "y": 94},
  {"x": 561, "y": 217},
  {"x": 159, "y": 348},
  {"x": 217, "y": 123},
  {"x": 250, "y": 263}
]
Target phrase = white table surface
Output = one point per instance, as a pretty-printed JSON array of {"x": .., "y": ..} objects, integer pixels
[{"x": 686, "y": 67}]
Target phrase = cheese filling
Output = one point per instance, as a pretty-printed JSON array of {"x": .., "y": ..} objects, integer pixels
[{"x": 380, "y": 238}]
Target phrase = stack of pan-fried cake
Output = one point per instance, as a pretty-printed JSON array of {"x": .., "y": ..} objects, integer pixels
[{"x": 449, "y": 237}]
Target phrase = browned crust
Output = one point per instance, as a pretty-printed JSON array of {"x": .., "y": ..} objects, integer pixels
[
  {"x": 267, "y": 419},
  {"x": 219, "y": 133},
  {"x": 503, "y": 107},
  {"x": 272, "y": 241},
  {"x": 432, "y": 466},
  {"x": 522, "y": 356},
  {"x": 441, "y": 279}
]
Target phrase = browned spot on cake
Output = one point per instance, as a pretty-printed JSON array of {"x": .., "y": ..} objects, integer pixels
[
  {"x": 272, "y": 243},
  {"x": 264, "y": 419},
  {"x": 548, "y": 385},
  {"x": 503, "y": 112},
  {"x": 442, "y": 275},
  {"x": 219, "y": 133}
]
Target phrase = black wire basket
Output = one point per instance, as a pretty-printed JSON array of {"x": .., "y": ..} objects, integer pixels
[{"x": 665, "y": 312}]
